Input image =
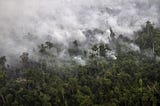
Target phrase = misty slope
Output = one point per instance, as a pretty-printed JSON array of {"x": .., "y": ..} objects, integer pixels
[{"x": 25, "y": 24}]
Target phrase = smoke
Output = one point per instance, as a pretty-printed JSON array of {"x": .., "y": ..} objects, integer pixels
[{"x": 24, "y": 24}]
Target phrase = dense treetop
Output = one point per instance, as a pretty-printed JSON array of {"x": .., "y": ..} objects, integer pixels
[{"x": 115, "y": 74}]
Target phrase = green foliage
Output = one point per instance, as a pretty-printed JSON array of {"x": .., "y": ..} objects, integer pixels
[{"x": 130, "y": 80}]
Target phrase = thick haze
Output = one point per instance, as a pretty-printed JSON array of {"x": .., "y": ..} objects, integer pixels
[{"x": 24, "y": 24}]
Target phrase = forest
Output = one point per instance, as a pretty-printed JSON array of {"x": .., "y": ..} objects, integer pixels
[{"x": 125, "y": 72}]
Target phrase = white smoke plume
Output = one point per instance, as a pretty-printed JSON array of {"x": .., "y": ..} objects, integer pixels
[{"x": 26, "y": 23}]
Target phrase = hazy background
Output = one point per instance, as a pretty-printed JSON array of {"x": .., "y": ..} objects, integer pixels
[{"x": 24, "y": 24}]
